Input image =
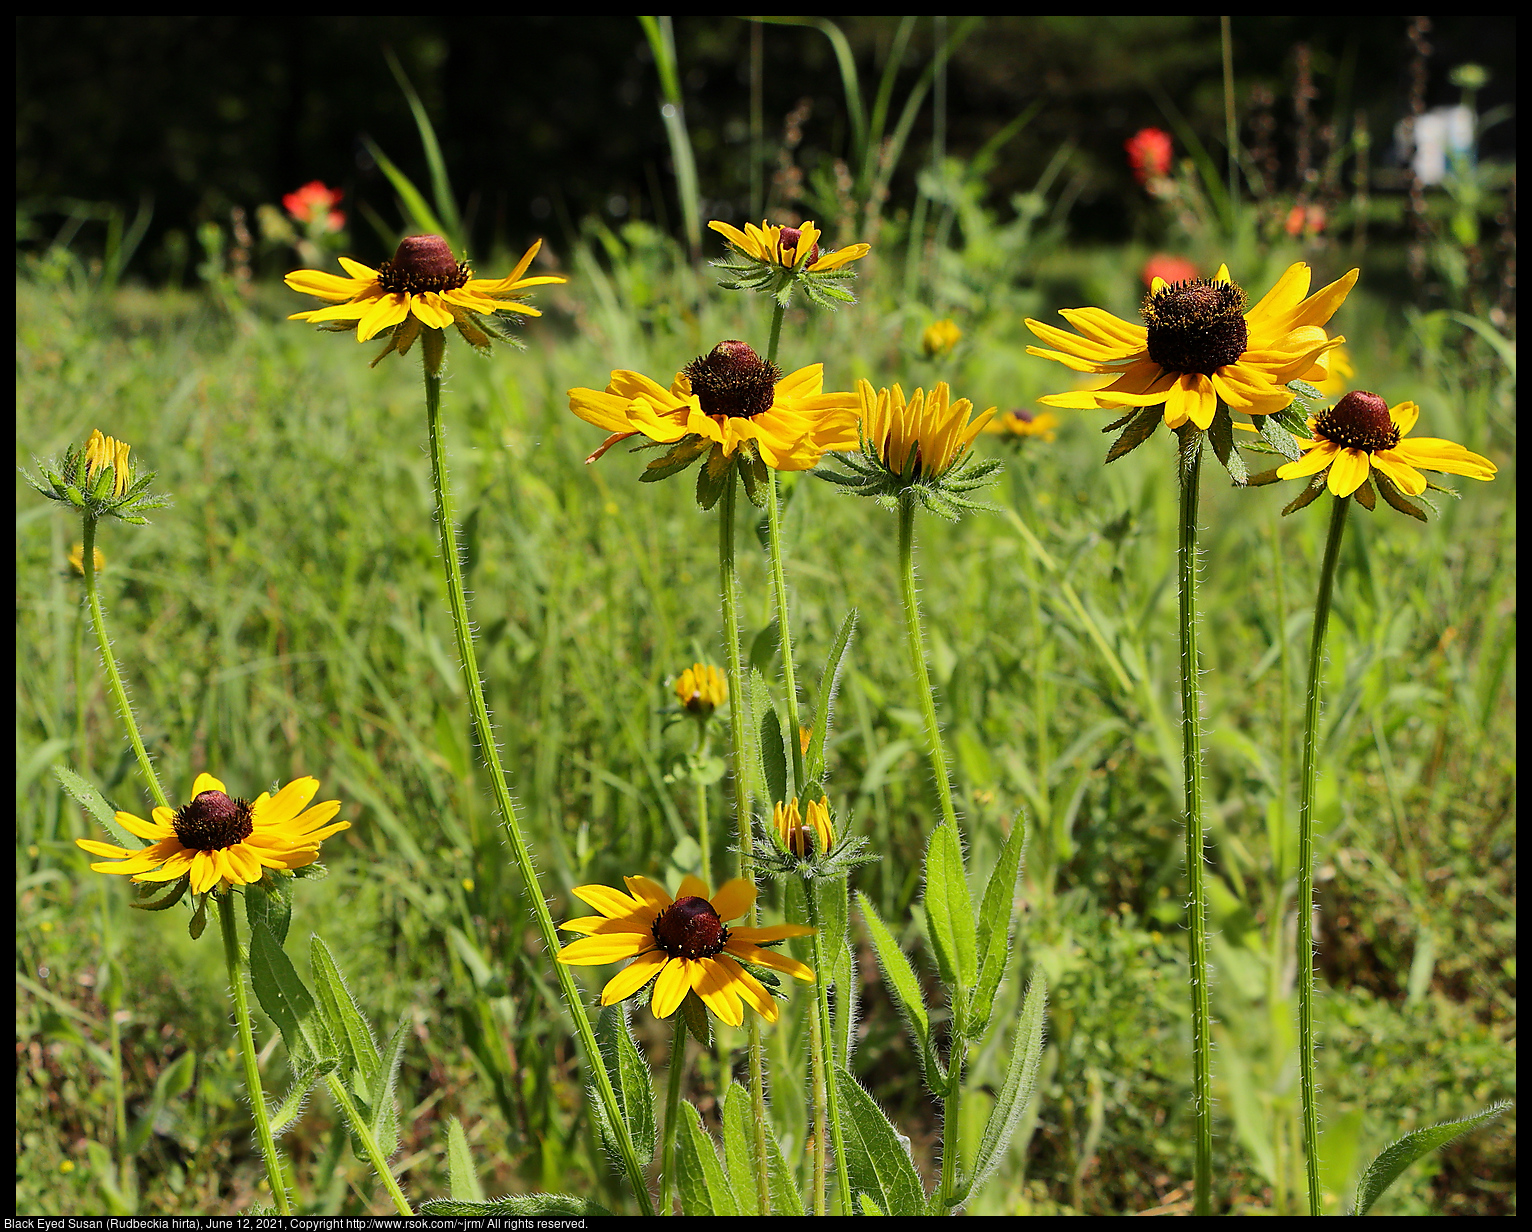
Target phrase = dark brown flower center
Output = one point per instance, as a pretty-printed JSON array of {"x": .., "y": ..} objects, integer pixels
[
  {"x": 423, "y": 263},
  {"x": 732, "y": 380},
  {"x": 690, "y": 928},
  {"x": 788, "y": 243},
  {"x": 1196, "y": 326},
  {"x": 212, "y": 822},
  {"x": 1360, "y": 420}
]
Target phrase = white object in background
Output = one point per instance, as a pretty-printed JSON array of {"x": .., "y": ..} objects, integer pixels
[{"x": 1439, "y": 134}]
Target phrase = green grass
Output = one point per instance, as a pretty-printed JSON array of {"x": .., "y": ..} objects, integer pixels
[{"x": 286, "y": 617}]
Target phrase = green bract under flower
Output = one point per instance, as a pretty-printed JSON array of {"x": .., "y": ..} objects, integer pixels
[
  {"x": 774, "y": 260},
  {"x": 98, "y": 479}
]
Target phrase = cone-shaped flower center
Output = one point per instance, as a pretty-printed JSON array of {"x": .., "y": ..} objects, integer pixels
[
  {"x": 788, "y": 242},
  {"x": 1196, "y": 326},
  {"x": 212, "y": 822},
  {"x": 1360, "y": 420},
  {"x": 690, "y": 928},
  {"x": 423, "y": 263},
  {"x": 734, "y": 381}
]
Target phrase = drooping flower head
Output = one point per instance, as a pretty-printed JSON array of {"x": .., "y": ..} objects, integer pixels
[
  {"x": 683, "y": 944},
  {"x": 722, "y": 404},
  {"x": 1149, "y": 153},
  {"x": 1362, "y": 438},
  {"x": 314, "y": 205},
  {"x": 218, "y": 840},
  {"x": 424, "y": 286},
  {"x": 775, "y": 259},
  {"x": 1199, "y": 346},
  {"x": 701, "y": 690}
]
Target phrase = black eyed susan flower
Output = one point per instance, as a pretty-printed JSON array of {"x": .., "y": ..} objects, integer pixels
[
  {"x": 727, "y": 402},
  {"x": 701, "y": 690},
  {"x": 683, "y": 944},
  {"x": 938, "y": 338},
  {"x": 917, "y": 446},
  {"x": 219, "y": 840},
  {"x": 1362, "y": 438},
  {"x": 776, "y": 259},
  {"x": 1199, "y": 346},
  {"x": 803, "y": 837},
  {"x": 99, "y": 480},
  {"x": 1020, "y": 422},
  {"x": 77, "y": 559},
  {"x": 424, "y": 286}
]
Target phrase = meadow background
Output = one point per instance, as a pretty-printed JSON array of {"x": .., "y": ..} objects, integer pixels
[{"x": 285, "y": 616}]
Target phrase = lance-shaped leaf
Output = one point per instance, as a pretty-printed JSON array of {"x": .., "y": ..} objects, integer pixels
[
  {"x": 272, "y": 907},
  {"x": 1221, "y": 435},
  {"x": 1394, "y": 1159},
  {"x": 1020, "y": 1082},
  {"x": 829, "y": 685},
  {"x": 462, "y": 1176},
  {"x": 949, "y": 911},
  {"x": 897, "y": 972},
  {"x": 877, "y": 1155},
  {"x": 773, "y": 751},
  {"x": 1140, "y": 427},
  {"x": 348, "y": 1027},
  {"x": 289, "y": 1004},
  {"x": 529, "y": 1205},
  {"x": 93, "y": 802},
  {"x": 385, "y": 1111},
  {"x": 995, "y": 913},
  {"x": 739, "y": 1157},
  {"x": 629, "y": 1075},
  {"x": 700, "y": 1179}
]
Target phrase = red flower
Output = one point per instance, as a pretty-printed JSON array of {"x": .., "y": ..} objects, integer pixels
[
  {"x": 1149, "y": 152},
  {"x": 312, "y": 203},
  {"x": 1301, "y": 221},
  {"x": 1171, "y": 269}
]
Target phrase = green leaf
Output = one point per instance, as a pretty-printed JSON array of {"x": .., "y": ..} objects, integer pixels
[
  {"x": 1395, "y": 1158},
  {"x": 995, "y": 914},
  {"x": 897, "y": 972},
  {"x": 1278, "y": 437},
  {"x": 877, "y": 1155},
  {"x": 1020, "y": 1082},
  {"x": 441, "y": 188},
  {"x": 419, "y": 213},
  {"x": 93, "y": 802},
  {"x": 348, "y": 1026},
  {"x": 462, "y": 1176},
  {"x": 764, "y": 646},
  {"x": 1140, "y": 428},
  {"x": 291, "y": 1107},
  {"x": 385, "y": 1110},
  {"x": 289, "y": 1004},
  {"x": 739, "y": 1148},
  {"x": 515, "y": 1204},
  {"x": 273, "y": 907},
  {"x": 829, "y": 685},
  {"x": 1397, "y": 499},
  {"x": 949, "y": 911},
  {"x": 694, "y": 1015},
  {"x": 699, "y": 1177},
  {"x": 169, "y": 894},
  {"x": 1221, "y": 435},
  {"x": 629, "y": 1075},
  {"x": 834, "y": 907},
  {"x": 680, "y": 456},
  {"x": 773, "y": 755},
  {"x": 1307, "y": 497},
  {"x": 717, "y": 471},
  {"x": 753, "y": 471},
  {"x": 175, "y": 1079}
]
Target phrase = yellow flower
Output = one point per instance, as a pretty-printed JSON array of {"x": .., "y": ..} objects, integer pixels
[
  {"x": 922, "y": 439},
  {"x": 219, "y": 840},
  {"x": 685, "y": 943},
  {"x": 1198, "y": 346},
  {"x": 724, "y": 399},
  {"x": 102, "y": 452},
  {"x": 1362, "y": 433},
  {"x": 424, "y": 285},
  {"x": 701, "y": 689},
  {"x": 939, "y": 338},
  {"x": 786, "y": 246},
  {"x": 1021, "y": 422},
  {"x": 795, "y": 832},
  {"x": 77, "y": 558}
]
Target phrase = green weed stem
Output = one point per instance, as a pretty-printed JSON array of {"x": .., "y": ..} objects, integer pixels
[
  {"x": 447, "y": 529},
  {"x": 1303, "y": 941},
  {"x": 916, "y": 644},
  {"x": 369, "y": 1141},
  {"x": 822, "y": 1053}
]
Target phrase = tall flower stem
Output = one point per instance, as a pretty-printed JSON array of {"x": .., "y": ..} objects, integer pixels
[
  {"x": 1304, "y": 941},
  {"x": 224, "y": 900},
  {"x": 369, "y": 1142},
  {"x": 672, "y": 1113},
  {"x": 917, "y": 650},
  {"x": 823, "y": 1053},
  {"x": 1190, "y": 470},
  {"x": 779, "y": 585},
  {"x": 447, "y": 529},
  {"x": 263, "y": 1134},
  {"x": 739, "y": 706}
]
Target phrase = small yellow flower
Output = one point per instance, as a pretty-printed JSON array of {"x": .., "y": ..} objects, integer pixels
[
  {"x": 423, "y": 286},
  {"x": 219, "y": 840},
  {"x": 685, "y": 943},
  {"x": 786, "y": 246},
  {"x": 805, "y": 738},
  {"x": 939, "y": 338},
  {"x": 1021, "y": 422},
  {"x": 1362, "y": 433},
  {"x": 922, "y": 439},
  {"x": 724, "y": 399},
  {"x": 1198, "y": 346},
  {"x": 701, "y": 689},
  {"x": 102, "y": 452},
  {"x": 77, "y": 558},
  {"x": 816, "y": 836}
]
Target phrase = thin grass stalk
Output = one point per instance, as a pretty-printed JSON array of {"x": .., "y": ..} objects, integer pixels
[
  {"x": 739, "y": 706},
  {"x": 369, "y": 1141},
  {"x": 1304, "y": 938},
  {"x": 672, "y": 1113},
  {"x": 447, "y": 530},
  {"x": 1190, "y": 470}
]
